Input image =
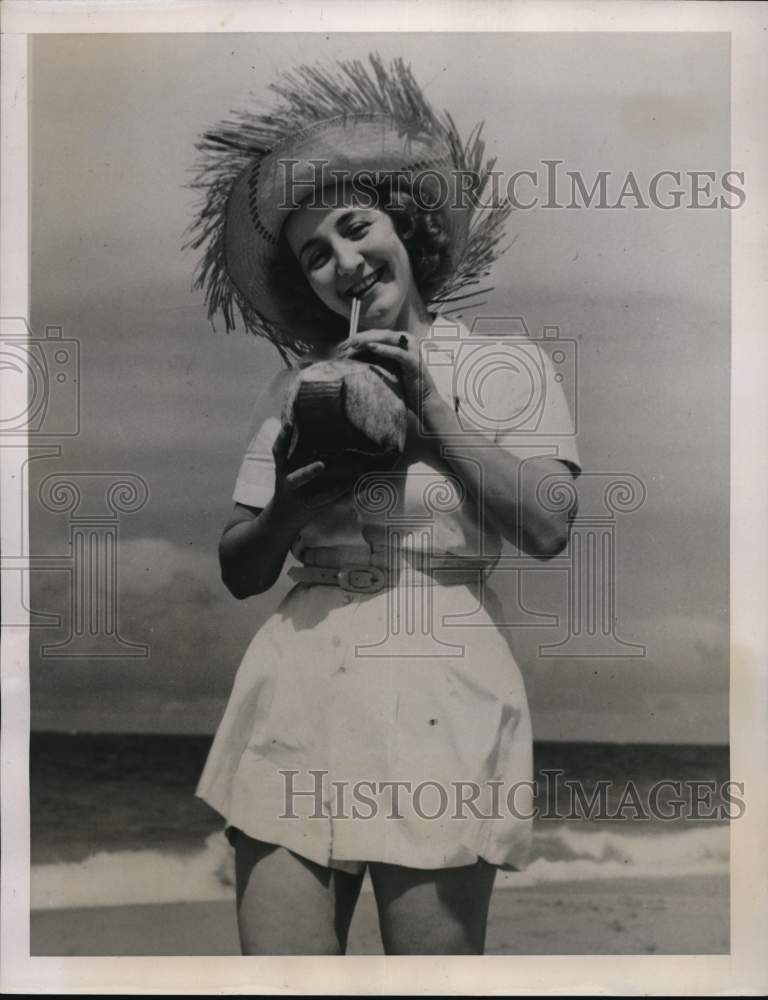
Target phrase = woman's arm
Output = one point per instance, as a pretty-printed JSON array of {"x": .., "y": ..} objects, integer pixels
[
  {"x": 494, "y": 479},
  {"x": 254, "y": 545},
  {"x": 504, "y": 486}
]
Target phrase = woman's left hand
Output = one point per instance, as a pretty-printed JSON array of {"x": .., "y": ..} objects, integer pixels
[{"x": 402, "y": 348}]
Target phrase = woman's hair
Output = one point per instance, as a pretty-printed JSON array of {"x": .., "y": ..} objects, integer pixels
[{"x": 424, "y": 235}]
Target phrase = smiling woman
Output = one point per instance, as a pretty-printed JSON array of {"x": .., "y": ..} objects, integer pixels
[
  {"x": 395, "y": 219},
  {"x": 384, "y": 663}
]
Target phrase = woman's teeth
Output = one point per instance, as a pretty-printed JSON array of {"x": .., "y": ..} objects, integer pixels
[{"x": 362, "y": 287}]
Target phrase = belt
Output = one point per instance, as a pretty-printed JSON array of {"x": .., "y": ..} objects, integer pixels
[{"x": 372, "y": 579}]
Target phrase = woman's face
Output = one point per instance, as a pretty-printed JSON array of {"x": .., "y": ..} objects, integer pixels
[{"x": 349, "y": 251}]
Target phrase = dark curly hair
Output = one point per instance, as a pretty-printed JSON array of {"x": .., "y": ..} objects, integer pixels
[{"x": 424, "y": 234}]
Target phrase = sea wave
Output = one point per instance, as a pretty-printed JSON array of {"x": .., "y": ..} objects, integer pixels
[
  {"x": 567, "y": 853},
  {"x": 570, "y": 854}
]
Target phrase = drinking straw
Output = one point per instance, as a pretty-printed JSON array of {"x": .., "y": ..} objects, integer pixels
[{"x": 354, "y": 317}]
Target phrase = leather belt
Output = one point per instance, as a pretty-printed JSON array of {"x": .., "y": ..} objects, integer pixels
[
  {"x": 372, "y": 579},
  {"x": 358, "y": 579}
]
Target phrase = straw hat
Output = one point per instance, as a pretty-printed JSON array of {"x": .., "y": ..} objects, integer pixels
[{"x": 259, "y": 166}]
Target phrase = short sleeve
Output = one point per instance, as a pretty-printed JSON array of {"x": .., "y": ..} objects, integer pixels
[
  {"x": 256, "y": 478},
  {"x": 521, "y": 397}
]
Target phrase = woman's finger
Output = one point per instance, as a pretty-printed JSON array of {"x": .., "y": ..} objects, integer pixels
[
  {"x": 305, "y": 474},
  {"x": 407, "y": 360},
  {"x": 396, "y": 338}
]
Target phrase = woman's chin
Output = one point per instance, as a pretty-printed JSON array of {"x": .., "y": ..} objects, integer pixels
[{"x": 380, "y": 315}]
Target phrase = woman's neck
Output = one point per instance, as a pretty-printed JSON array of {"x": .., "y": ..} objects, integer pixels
[{"x": 415, "y": 318}]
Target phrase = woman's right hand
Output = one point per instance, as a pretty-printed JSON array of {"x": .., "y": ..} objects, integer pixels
[
  {"x": 287, "y": 483},
  {"x": 256, "y": 541},
  {"x": 292, "y": 489}
]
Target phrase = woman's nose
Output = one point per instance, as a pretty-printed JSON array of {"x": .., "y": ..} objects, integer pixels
[{"x": 347, "y": 260}]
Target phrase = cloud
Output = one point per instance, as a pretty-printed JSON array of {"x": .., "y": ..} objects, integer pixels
[
  {"x": 152, "y": 564},
  {"x": 651, "y": 718},
  {"x": 171, "y": 600}
]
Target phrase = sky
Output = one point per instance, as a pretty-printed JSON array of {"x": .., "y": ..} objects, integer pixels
[{"x": 642, "y": 297}]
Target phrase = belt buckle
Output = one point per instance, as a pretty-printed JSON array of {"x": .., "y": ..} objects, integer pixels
[{"x": 362, "y": 579}]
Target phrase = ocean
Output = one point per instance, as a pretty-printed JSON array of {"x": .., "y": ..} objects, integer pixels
[{"x": 114, "y": 819}]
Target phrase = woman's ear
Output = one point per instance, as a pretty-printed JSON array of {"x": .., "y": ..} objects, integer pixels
[{"x": 407, "y": 227}]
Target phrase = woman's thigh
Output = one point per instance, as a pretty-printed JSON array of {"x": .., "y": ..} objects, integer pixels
[
  {"x": 439, "y": 911},
  {"x": 287, "y": 905}
]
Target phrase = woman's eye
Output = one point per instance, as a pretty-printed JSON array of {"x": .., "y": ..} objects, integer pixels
[
  {"x": 358, "y": 229},
  {"x": 316, "y": 260}
]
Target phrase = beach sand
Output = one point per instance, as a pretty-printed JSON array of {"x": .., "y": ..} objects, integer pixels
[{"x": 639, "y": 916}]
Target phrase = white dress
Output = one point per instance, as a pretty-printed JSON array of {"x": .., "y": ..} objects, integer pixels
[{"x": 394, "y": 726}]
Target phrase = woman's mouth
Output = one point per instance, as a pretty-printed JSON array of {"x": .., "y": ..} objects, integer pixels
[{"x": 362, "y": 288}]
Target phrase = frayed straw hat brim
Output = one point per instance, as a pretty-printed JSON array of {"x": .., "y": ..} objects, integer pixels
[
  {"x": 354, "y": 124},
  {"x": 351, "y": 146}
]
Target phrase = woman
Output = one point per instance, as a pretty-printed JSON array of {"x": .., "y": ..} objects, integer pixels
[{"x": 378, "y": 716}]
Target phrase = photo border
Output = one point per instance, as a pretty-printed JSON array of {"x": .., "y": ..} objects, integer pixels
[{"x": 744, "y": 970}]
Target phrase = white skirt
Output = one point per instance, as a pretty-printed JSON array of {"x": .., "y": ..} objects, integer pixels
[{"x": 389, "y": 727}]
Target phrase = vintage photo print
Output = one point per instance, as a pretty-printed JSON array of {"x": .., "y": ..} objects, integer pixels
[{"x": 382, "y": 450}]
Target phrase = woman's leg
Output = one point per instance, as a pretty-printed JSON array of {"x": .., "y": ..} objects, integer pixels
[
  {"x": 287, "y": 905},
  {"x": 439, "y": 911}
]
